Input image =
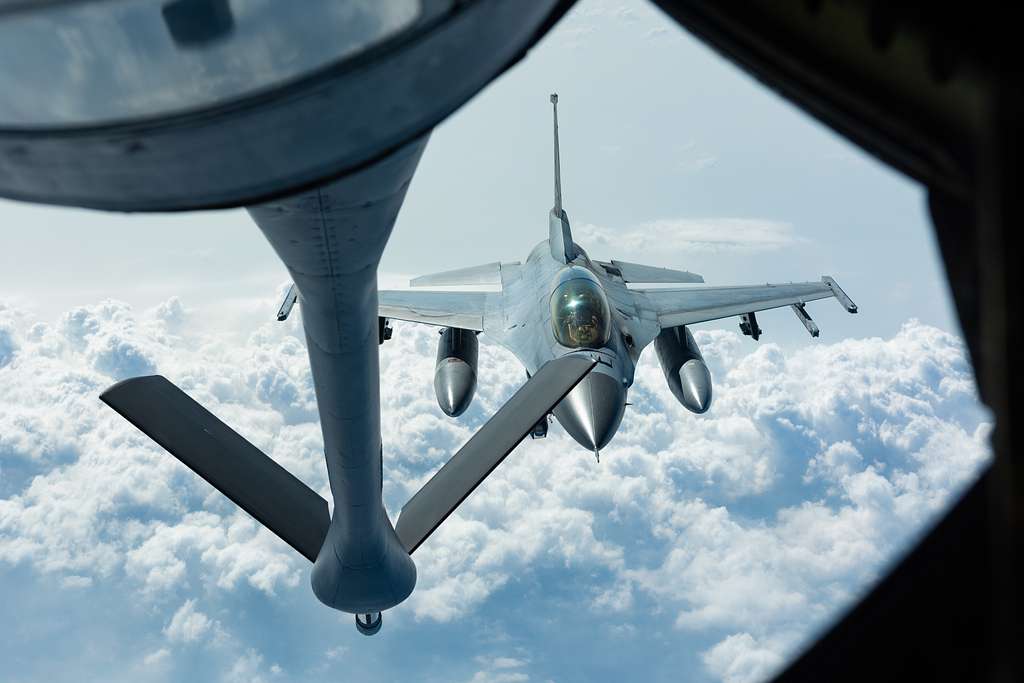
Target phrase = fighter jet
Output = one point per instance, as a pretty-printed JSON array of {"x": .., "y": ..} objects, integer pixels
[{"x": 559, "y": 302}]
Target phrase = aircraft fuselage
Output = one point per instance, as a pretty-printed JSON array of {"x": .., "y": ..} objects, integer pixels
[{"x": 525, "y": 324}]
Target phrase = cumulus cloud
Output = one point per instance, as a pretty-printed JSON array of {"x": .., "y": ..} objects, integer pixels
[
  {"x": 249, "y": 668},
  {"x": 189, "y": 624},
  {"x": 741, "y": 659},
  {"x": 106, "y": 334},
  {"x": 696, "y": 235},
  {"x": 172, "y": 313},
  {"x": 847, "y": 449},
  {"x": 99, "y": 498},
  {"x": 7, "y": 343},
  {"x": 157, "y": 658},
  {"x": 751, "y": 524}
]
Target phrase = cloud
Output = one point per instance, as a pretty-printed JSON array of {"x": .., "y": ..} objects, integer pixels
[
  {"x": 107, "y": 335},
  {"x": 157, "y": 658},
  {"x": 248, "y": 668},
  {"x": 741, "y": 659},
  {"x": 72, "y": 581},
  {"x": 189, "y": 624},
  {"x": 499, "y": 677},
  {"x": 501, "y": 670},
  {"x": 172, "y": 313},
  {"x": 100, "y": 499},
  {"x": 847, "y": 450},
  {"x": 682, "y": 235},
  {"x": 7, "y": 343},
  {"x": 750, "y": 525}
]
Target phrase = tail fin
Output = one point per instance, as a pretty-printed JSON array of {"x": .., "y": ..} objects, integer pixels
[{"x": 559, "y": 234}]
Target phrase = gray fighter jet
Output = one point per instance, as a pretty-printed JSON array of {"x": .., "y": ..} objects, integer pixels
[{"x": 561, "y": 303}]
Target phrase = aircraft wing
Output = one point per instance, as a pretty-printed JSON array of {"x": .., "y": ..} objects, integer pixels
[
  {"x": 445, "y": 309},
  {"x": 700, "y": 304}
]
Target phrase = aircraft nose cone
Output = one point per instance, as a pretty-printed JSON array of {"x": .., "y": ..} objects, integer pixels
[
  {"x": 592, "y": 411},
  {"x": 454, "y": 382},
  {"x": 695, "y": 382}
]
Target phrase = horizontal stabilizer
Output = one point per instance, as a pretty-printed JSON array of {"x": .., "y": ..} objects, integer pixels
[
  {"x": 488, "y": 447},
  {"x": 465, "y": 310},
  {"x": 636, "y": 272},
  {"x": 218, "y": 454},
  {"x": 487, "y": 274}
]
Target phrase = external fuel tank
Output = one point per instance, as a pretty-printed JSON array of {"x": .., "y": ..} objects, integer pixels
[
  {"x": 455, "y": 372},
  {"x": 685, "y": 371}
]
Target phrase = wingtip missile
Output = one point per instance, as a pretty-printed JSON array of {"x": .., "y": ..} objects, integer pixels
[{"x": 839, "y": 294}]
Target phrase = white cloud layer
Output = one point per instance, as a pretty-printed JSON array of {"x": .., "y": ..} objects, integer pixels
[{"x": 752, "y": 524}]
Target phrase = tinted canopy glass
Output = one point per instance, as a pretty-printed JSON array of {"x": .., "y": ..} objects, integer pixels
[{"x": 579, "y": 314}]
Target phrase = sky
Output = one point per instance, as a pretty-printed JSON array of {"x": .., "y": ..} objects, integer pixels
[{"x": 705, "y": 548}]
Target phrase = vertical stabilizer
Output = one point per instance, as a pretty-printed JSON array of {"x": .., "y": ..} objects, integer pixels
[{"x": 560, "y": 237}]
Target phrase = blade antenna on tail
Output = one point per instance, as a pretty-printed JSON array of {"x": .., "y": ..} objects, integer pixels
[
  {"x": 558, "y": 169},
  {"x": 559, "y": 235}
]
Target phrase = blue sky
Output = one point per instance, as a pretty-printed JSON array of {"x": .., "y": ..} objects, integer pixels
[{"x": 701, "y": 548}]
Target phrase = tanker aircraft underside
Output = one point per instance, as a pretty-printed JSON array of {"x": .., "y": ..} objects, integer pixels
[{"x": 560, "y": 303}]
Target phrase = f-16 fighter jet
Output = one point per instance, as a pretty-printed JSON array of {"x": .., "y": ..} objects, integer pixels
[{"x": 561, "y": 303}]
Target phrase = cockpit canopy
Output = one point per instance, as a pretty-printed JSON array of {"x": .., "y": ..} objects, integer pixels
[{"x": 579, "y": 311}]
